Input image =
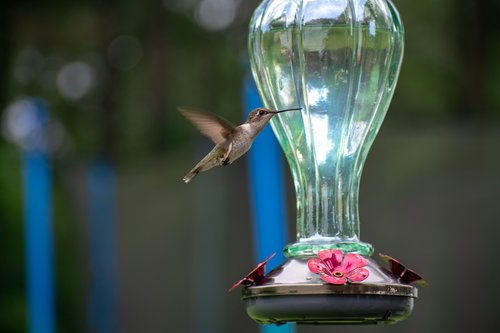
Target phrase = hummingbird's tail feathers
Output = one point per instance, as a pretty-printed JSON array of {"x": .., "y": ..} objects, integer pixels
[
  {"x": 187, "y": 178},
  {"x": 206, "y": 163},
  {"x": 216, "y": 157}
]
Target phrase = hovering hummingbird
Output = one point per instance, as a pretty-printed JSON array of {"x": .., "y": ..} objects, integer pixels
[{"x": 230, "y": 141}]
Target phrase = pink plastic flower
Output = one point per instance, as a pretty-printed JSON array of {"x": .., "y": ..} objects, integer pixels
[
  {"x": 335, "y": 267},
  {"x": 256, "y": 275}
]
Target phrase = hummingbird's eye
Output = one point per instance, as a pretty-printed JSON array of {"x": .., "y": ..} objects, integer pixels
[{"x": 262, "y": 112}]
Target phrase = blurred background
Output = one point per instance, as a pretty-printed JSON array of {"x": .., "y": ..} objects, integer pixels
[{"x": 92, "y": 145}]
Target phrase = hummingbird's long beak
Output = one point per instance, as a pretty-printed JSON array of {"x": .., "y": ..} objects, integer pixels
[{"x": 285, "y": 110}]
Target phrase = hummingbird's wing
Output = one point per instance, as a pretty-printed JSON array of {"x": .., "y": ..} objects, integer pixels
[{"x": 216, "y": 128}]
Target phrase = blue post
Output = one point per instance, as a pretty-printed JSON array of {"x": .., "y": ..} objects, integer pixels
[
  {"x": 38, "y": 230},
  {"x": 103, "y": 256},
  {"x": 268, "y": 195}
]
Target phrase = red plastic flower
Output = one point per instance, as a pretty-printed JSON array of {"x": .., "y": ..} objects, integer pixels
[
  {"x": 407, "y": 275},
  {"x": 333, "y": 266},
  {"x": 256, "y": 275}
]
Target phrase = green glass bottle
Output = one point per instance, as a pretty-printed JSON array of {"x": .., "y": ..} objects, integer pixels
[{"x": 339, "y": 60}]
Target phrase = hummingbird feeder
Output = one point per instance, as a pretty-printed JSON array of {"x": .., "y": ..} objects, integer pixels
[{"x": 339, "y": 61}]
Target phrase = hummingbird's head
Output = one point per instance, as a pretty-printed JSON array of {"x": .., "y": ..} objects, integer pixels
[{"x": 262, "y": 115}]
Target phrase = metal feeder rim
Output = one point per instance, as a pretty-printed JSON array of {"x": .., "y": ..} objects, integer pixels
[{"x": 389, "y": 289}]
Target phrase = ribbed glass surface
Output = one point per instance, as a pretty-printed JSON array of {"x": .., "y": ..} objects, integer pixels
[{"x": 339, "y": 60}]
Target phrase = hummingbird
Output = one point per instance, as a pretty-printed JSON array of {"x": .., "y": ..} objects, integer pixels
[{"x": 231, "y": 141}]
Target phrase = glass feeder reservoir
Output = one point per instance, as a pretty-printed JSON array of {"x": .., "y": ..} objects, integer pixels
[{"x": 339, "y": 60}]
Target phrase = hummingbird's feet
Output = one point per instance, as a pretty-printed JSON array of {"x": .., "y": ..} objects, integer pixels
[{"x": 224, "y": 155}]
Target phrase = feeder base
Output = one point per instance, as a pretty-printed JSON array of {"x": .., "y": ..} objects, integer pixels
[{"x": 291, "y": 293}]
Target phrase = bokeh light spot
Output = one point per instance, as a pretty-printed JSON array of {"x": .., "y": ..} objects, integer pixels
[
  {"x": 124, "y": 52},
  {"x": 28, "y": 64},
  {"x": 75, "y": 80},
  {"x": 216, "y": 15}
]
